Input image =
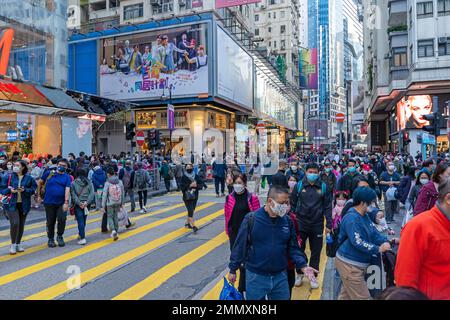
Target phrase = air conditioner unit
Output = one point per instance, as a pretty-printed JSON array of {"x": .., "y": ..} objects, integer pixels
[
  {"x": 155, "y": 2},
  {"x": 442, "y": 40}
]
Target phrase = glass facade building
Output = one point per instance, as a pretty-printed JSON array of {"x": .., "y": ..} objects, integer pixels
[{"x": 39, "y": 46}]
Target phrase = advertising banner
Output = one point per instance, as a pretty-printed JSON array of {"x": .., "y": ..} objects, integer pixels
[
  {"x": 234, "y": 71},
  {"x": 79, "y": 129},
  {"x": 144, "y": 65},
  {"x": 308, "y": 69},
  {"x": 170, "y": 117},
  {"x": 411, "y": 111},
  {"x": 232, "y": 3}
]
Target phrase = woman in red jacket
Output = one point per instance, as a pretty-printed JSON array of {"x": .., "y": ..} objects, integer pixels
[
  {"x": 423, "y": 258},
  {"x": 428, "y": 193}
]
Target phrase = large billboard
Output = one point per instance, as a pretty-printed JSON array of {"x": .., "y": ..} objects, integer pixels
[
  {"x": 145, "y": 65},
  {"x": 410, "y": 112},
  {"x": 308, "y": 69},
  {"x": 234, "y": 71},
  {"x": 232, "y": 3}
]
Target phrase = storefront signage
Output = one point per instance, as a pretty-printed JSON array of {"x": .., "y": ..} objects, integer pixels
[
  {"x": 158, "y": 119},
  {"x": 6, "y": 39},
  {"x": 428, "y": 139},
  {"x": 11, "y": 135},
  {"x": 145, "y": 65}
]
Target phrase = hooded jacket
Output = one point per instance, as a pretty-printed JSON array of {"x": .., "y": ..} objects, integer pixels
[
  {"x": 82, "y": 190},
  {"x": 106, "y": 201},
  {"x": 98, "y": 178},
  {"x": 426, "y": 199}
]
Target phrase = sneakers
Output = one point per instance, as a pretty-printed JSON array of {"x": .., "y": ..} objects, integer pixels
[
  {"x": 114, "y": 235},
  {"x": 145, "y": 209},
  {"x": 105, "y": 231},
  {"x": 12, "y": 249},
  {"x": 314, "y": 283},
  {"x": 19, "y": 248},
  {"x": 298, "y": 280},
  {"x": 82, "y": 242},
  {"x": 195, "y": 229},
  {"x": 217, "y": 196},
  {"x": 60, "y": 241},
  {"x": 51, "y": 243},
  {"x": 142, "y": 211},
  {"x": 131, "y": 225}
]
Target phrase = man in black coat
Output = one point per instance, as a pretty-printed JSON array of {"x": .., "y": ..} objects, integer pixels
[
  {"x": 346, "y": 181},
  {"x": 279, "y": 179}
]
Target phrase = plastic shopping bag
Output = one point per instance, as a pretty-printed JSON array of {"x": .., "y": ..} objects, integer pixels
[
  {"x": 408, "y": 216},
  {"x": 122, "y": 217},
  {"x": 173, "y": 184},
  {"x": 229, "y": 292},
  {"x": 390, "y": 194}
]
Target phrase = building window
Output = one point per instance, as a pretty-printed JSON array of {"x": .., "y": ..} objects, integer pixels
[
  {"x": 444, "y": 47},
  {"x": 275, "y": 44},
  {"x": 133, "y": 11},
  {"x": 283, "y": 29},
  {"x": 272, "y": 2},
  {"x": 425, "y": 9},
  {"x": 270, "y": 43},
  {"x": 443, "y": 7},
  {"x": 269, "y": 29},
  {"x": 165, "y": 6},
  {"x": 274, "y": 15},
  {"x": 256, "y": 17},
  {"x": 399, "y": 58},
  {"x": 425, "y": 48},
  {"x": 269, "y": 15},
  {"x": 256, "y": 32},
  {"x": 282, "y": 14},
  {"x": 283, "y": 44}
]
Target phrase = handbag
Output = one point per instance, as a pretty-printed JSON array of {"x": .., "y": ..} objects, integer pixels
[
  {"x": 190, "y": 193},
  {"x": 6, "y": 199}
]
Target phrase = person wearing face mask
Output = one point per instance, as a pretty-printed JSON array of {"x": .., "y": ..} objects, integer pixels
[
  {"x": 265, "y": 241},
  {"x": 19, "y": 186},
  {"x": 369, "y": 175},
  {"x": 389, "y": 179},
  {"x": 312, "y": 202},
  {"x": 422, "y": 179},
  {"x": 345, "y": 183},
  {"x": 424, "y": 253},
  {"x": 295, "y": 170},
  {"x": 190, "y": 185},
  {"x": 405, "y": 185},
  {"x": 56, "y": 200},
  {"x": 328, "y": 176},
  {"x": 359, "y": 241},
  {"x": 9, "y": 167},
  {"x": 237, "y": 205},
  {"x": 429, "y": 192}
]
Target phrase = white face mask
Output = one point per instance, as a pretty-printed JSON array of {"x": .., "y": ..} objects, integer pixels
[
  {"x": 382, "y": 222},
  {"x": 280, "y": 209},
  {"x": 292, "y": 184},
  {"x": 238, "y": 188},
  {"x": 341, "y": 202},
  {"x": 391, "y": 168},
  {"x": 294, "y": 168},
  {"x": 16, "y": 169},
  {"x": 424, "y": 181}
]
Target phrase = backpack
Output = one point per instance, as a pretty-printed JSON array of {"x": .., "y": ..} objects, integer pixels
[
  {"x": 140, "y": 179},
  {"x": 126, "y": 179},
  {"x": 115, "y": 194}
]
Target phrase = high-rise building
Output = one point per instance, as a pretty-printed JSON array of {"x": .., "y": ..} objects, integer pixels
[{"x": 407, "y": 67}]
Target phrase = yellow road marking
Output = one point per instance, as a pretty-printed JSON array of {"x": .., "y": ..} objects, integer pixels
[
  {"x": 214, "y": 293},
  {"x": 61, "y": 287},
  {"x": 33, "y": 249},
  {"x": 157, "y": 278},
  {"x": 71, "y": 226},
  {"x": 13, "y": 276}
]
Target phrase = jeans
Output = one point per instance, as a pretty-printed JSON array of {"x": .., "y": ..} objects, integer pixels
[
  {"x": 81, "y": 221},
  {"x": 130, "y": 193},
  {"x": 17, "y": 223},
  {"x": 142, "y": 198},
  {"x": 178, "y": 179},
  {"x": 337, "y": 286},
  {"x": 219, "y": 181},
  {"x": 274, "y": 287},
  {"x": 315, "y": 236},
  {"x": 98, "y": 198},
  {"x": 55, "y": 213}
]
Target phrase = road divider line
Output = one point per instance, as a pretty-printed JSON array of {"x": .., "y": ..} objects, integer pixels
[
  {"x": 101, "y": 269},
  {"x": 70, "y": 226},
  {"x": 13, "y": 276},
  {"x": 157, "y": 278},
  {"x": 33, "y": 249}
]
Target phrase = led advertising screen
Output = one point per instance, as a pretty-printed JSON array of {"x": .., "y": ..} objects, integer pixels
[
  {"x": 235, "y": 71},
  {"x": 308, "y": 69},
  {"x": 144, "y": 65},
  {"x": 410, "y": 112}
]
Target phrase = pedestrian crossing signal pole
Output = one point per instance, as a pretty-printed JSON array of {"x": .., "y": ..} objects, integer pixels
[{"x": 340, "y": 117}]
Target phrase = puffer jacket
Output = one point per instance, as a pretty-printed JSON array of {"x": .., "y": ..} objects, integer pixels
[
  {"x": 426, "y": 199},
  {"x": 230, "y": 201},
  {"x": 98, "y": 178}
]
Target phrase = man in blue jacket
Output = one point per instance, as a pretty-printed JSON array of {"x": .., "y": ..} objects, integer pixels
[{"x": 265, "y": 242}]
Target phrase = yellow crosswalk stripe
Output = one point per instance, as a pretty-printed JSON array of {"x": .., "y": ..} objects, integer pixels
[
  {"x": 43, "y": 224},
  {"x": 157, "y": 278},
  {"x": 13, "y": 276},
  {"x": 40, "y": 247},
  {"x": 214, "y": 293},
  {"x": 68, "y": 227},
  {"x": 93, "y": 273}
]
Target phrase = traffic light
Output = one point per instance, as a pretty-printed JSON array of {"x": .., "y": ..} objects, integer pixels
[
  {"x": 340, "y": 137},
  {"x": 153, "y": 138},
  {"x": 129, "y": 130},
  {"x": 433, "y": 127},
  {"x": 406, "y": 139}
]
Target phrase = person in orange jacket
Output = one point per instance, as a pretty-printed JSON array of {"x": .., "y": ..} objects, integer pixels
[{"x": 423, "y": 258}]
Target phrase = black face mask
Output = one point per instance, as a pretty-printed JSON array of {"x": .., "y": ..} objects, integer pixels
[{"x": 189, "y": 170}]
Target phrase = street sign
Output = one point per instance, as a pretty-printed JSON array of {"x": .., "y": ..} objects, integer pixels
[
  {"x": 140, "y": 138},
  {"x": 340, "y": 117}
]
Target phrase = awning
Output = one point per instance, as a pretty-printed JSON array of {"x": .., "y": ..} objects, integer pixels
[
  {"x": 22, "y": 93},
  {"x": 60, "y": 99}
]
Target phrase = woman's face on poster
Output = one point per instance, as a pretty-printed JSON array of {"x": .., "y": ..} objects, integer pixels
[{"x": 419, "y": 106}]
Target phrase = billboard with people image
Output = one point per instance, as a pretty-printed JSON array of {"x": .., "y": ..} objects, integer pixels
[
  {"x": 410, "y": 111},
  {"x": 144, "y": 65}
]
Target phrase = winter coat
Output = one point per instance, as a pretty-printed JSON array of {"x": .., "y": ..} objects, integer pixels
[
  {"x": 106, "y": 201},
  {"x": 29, "y": 185},
  {"x": 230, "y": 201},
  {"x": 426, "y": 199},
  {"x": 185, "y": 186},
  {"x": 98, "y": 179},
  {"x": 82, "y": 190},
  {"x": 403, "y": 188}
]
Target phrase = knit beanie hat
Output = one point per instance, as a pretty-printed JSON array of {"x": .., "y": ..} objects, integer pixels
[{"x": 364, "y": 194}]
